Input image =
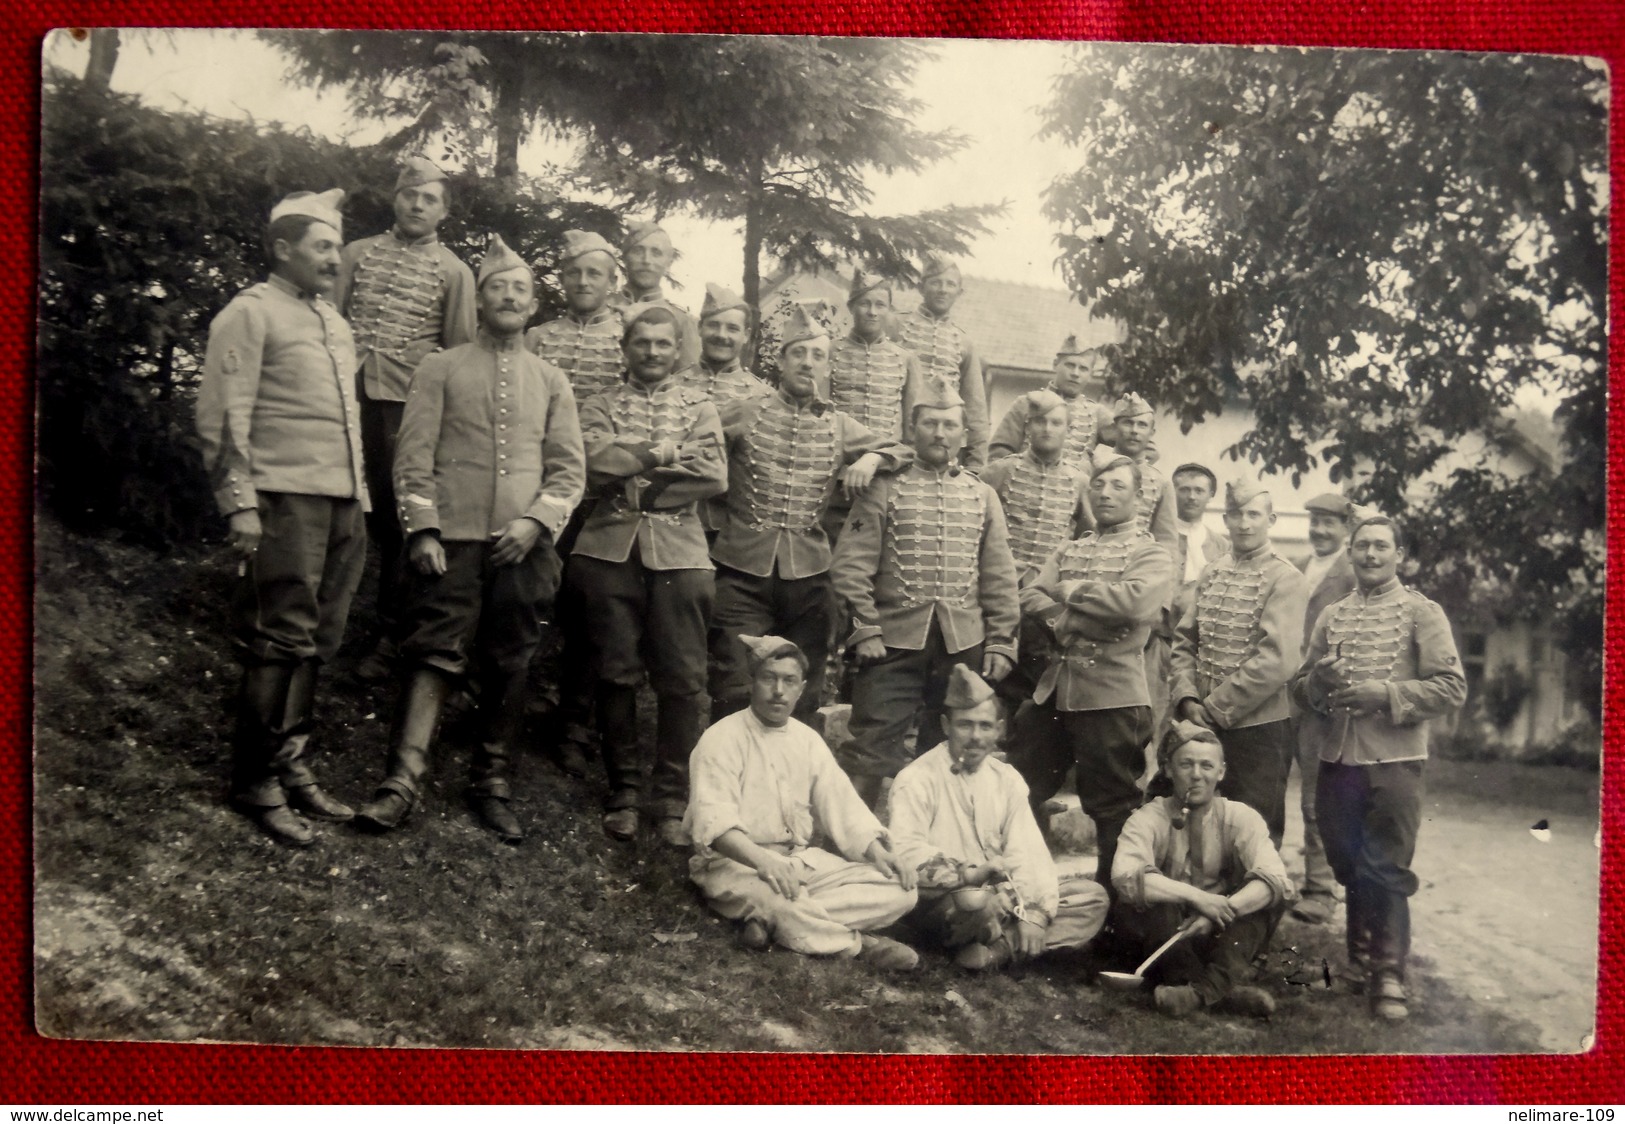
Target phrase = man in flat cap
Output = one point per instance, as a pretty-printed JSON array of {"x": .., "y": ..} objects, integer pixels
[
  {"x": 726, "y": 325},
  {"x": 405, "y": 296},
  {"x": 584, "y": 343},
  {"x": 488, "y": 467},
  {"x": 764, "y": 791},
  {"x": 641, "y": 569},
  {"x": 1099, "y": 597},
  {"x": 1236, "y": 648},
  {"x": 924, "y": 568},
  {"x": 647, "y": 255},
  {"x": 281, "y": 442},
  {"x": 1330, "y": 575},
  {"x": 788, "y": 454},
  {"x": 1045, "y": 500},
  {"x": 944, "y": 349},
  {"x": 1381, "y": 663},
  {"x": 988, "y": 887},
  {"x": 1076, "y": 367},
  {"x": 1197, "y": 862}
]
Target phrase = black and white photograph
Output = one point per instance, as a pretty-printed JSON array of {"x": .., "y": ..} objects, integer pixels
[{"x": 563, "y": 541}]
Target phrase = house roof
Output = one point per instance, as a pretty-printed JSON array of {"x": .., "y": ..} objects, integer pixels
[{"x": 1014, "y": 325}]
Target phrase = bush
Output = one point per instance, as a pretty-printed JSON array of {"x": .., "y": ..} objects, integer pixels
[
  {"x": 149, "y": 223},
  {"x": 1505, "y": 691}
]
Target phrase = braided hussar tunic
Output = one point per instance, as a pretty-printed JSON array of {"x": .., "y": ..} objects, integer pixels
[
  {"x": 404, "y": 299},
  {"x": 1239, "y": 643},
  {"x": 1107, "y": 590},
  {"x": 587, "y": 351},
  {"x": 727, "y": 384},
  {"x": 875, "y": 384},
  {"x": 944, "y": 350},
  {"x": 1040, "y": 505}
]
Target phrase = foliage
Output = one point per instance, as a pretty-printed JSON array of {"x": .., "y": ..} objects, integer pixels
[
  {"x": 1504, "y": 693},
  {"x": 150, "y": 222},
  {"x": 778, "y": 132},
  {"x": 1379, "y": 253}
]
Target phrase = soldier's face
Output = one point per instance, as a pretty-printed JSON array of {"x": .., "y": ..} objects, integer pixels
[
  {"x": 507, "y": 301},
  {"x": 938, "y": 434},
  {"x": 312, "y": 263},
  {"x": 723, "y": 335},
  {"x": 1047, "y": 432},
  {"x": 587, "y": 281},
  {"x": 1249, "y": 525},
  {"x": 802, "y": 365},
  {"x": 869, "y": 313},
  {"x": 648, "y": 261},
  {"x": 1192, "y": 492},
  {"x": 1072, "y": 372},
  {"x": 1134, "y": 434},
  {"x": 1112, "y": 498},
  {"x": 940, "y": 291},
  {"x": 1375, "y": 555},
  {"x": 651, "y": 351},
  {"x": 419, "y": 210},
  {"x": 972, "y": 734},
  {"x": 1197, "y": 767},
  {"x": 775, "y": 689},
  {"x": 1327, "y": 532}
]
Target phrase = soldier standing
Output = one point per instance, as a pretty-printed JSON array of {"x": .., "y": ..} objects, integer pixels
[
  {"x": 277, "y": 417},
  {"x": 873, "y": 380},
  {"x": 944, "y": 350},
  {"x": 405, "y": 296},
  {"x": 1381, "y": 663},
  {"x": 924, "y": 566},
  {"x": 1075, "y": 367},
  {"x": 725, "y": 330},
  {"x": 1235, "y": 650},
  {"x": 647, "y": 254},
  {"x": 788, "y": 450},
  {"x": 641, "y": 568}
]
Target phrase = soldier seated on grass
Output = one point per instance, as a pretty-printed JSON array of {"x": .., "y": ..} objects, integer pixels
[
  {"x": 1199, "y": 861},
  {"x": 762, "y": 786}
]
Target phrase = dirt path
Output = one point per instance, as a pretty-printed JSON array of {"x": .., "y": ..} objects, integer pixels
[{"x": 1502, "y": 917}]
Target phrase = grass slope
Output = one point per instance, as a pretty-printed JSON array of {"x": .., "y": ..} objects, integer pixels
[{"x": 160, "y": 914}]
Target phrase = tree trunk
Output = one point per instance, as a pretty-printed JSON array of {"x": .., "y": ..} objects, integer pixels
[
  {"x": 510, "y": 122},
  {"x": 753, "y": 268},
  {"x": 104, "y": 45}
]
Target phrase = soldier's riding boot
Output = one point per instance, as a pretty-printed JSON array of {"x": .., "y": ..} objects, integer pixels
[
  {"x": 502, "y": 711},
  {"x": 291, "y": 759},
  {"x": 618, "y": 741},
  {"x": 678, "y": 726},
  {"x": 256, "y": 787},
  {"x": 416, "y": 716}
]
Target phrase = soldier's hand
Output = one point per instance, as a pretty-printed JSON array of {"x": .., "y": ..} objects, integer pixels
[
  {"x": 782, "y": 873},
  {"x": 1215, "y": 908},
  {"x": 246, "y": 532},
  {"x": 426, "y": 554},
  {"x": 884, "y": 861},
  {"x": 1192, "y": 711},
  {"x": 516, "y": 541},
  {"x": 1031, "y": 938},
  {"x": 1362, "y": 697},
  {"x": 665, "y": 452},
  {"x": 995, "y": 666},
  {"x": 977, "y": 874},
  {"x": 871, "y": 650},
  {"x": 860, "y": 474}
]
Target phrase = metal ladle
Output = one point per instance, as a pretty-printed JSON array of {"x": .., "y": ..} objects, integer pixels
[{"x": 1133, "y": 981}]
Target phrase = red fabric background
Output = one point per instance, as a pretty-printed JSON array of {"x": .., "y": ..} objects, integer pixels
[{"x": 43, "y": 1071}]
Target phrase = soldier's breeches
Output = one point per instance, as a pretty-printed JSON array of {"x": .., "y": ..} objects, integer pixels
[
  {"x": 1256, "y": 762},
  {"x": 294, "y": 597},
  {"x": 380, "y": 425},
  {"x": 645, "y": 622},
  {"x": 888, "y": 694},
  {"x": 1212, "y": 964},
  {"x": 477, "y": 615},
  {"x": 798, "y": 609},
  {"x": 1369, "y": 817},
  {"x": 1318, "y": 880}
]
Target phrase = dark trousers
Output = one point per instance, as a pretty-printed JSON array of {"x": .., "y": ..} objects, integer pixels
[
  {"x": 1369, "y": 817},
  {"x": 568, "y": 662},
  {"x": 798, "y": 609},
  {"x": 1211, "y": 965},
  {"x": 1036, "y": 648},
  {"x": 1107, "y": 747},
  {"x": 888, "y": 694},
  {"x": 294, "y": 598},
  {"x": 646, "y": 622},
  {"x": 1256, "y": 762},
  {"x": 485, "y": 620},
  {"x": 380, "y": 426}
]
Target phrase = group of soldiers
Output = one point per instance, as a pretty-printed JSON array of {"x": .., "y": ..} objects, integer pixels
[{"x": 1014, "y": 602}]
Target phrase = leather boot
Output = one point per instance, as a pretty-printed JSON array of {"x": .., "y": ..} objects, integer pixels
[
  {"x": 618, "y": 742},
  {"x": 415, "y": 719},
  {"x": 502, "y": 710},
  {"x": 679, "y": 722},
  {"x": 292, "y": 759},
  {"x": 256, "y": 788}
]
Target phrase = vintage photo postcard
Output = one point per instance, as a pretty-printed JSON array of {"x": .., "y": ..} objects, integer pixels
[{"x": 724, "y": 543}]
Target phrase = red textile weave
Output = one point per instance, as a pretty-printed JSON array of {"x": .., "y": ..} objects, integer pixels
[{"x": 43, "y": 1071}]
